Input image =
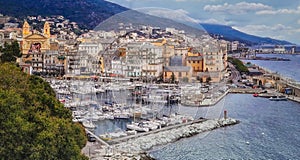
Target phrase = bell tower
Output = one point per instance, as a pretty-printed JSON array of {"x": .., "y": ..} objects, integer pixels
[
  {"x": 47, "y": 30},
  {"x": 26, "y": 29}
]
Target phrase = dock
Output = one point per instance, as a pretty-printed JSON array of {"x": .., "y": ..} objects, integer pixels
[
  {"x": 246, "y": 90},
  {"x": 123, "y": 139}
]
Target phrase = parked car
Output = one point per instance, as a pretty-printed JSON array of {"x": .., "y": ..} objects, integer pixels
[{"x": 91, "y": 138}]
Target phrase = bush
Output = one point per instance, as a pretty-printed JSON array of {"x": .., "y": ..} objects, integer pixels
[{"x": 34, "y": 124}]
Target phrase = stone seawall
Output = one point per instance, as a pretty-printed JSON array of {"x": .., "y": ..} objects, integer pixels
[
  {"x": 147, "y": 142},
  {"x": 136, "y": 148}
]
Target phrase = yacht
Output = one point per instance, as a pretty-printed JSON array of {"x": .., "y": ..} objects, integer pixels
[
  {"x": 137, "y": 126},
  {"x": 278, "y": 98}
]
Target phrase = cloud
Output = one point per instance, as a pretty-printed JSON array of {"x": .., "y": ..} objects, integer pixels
[
  {"x": 238, "y": 8},
  {"x": 212, "y": 21},
  {"x": 177, "y": 15},
  {"x": 218, "y": 21},
  {"x": 263, "y": 28},
  {"x": 298, "y": 21},
  {"x": 277, "y": 31},
  {"x": 279, "y": 11}
]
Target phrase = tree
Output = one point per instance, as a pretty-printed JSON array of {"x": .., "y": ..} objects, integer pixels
[
  {"x": 238, "y": 65},
  {"x": 34, "y": 124},
  {"x": 10, "y": 52},
  {"x": 172, "y": 77},
  {"x": 208, "y": 79},
  {"x": 230, "y": 81}
]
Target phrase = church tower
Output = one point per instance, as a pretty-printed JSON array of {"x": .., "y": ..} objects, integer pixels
[
  {"x": 26, "y": 29},
  {"x": 47, "y": 30}
]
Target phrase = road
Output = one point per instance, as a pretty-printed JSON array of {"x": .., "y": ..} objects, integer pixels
[{"x": 235, "y": 74}]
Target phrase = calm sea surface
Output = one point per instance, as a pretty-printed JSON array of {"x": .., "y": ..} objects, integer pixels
[
  {"x": 268, "y": 129},
  {"x": 289, "y": 69}
]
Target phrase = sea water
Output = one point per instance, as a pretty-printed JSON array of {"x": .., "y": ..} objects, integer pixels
[{"x": 268, "y": 130}]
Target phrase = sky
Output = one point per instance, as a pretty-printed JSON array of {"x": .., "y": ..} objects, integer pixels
[{"x": 279, "y": 19}]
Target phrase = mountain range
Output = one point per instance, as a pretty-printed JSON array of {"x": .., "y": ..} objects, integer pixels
[
  {"x": 87, "y": 13},
  {"x": 90, "y": 13},
  {"x": 230, "y": 34}
]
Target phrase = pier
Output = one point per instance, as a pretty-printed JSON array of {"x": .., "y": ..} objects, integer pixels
[
  {"x": 136, "y": 146},
  {"x": 123, "y": 139},
  {"x": 246, "y": 90},
  {"x": 146, "y": 142}
]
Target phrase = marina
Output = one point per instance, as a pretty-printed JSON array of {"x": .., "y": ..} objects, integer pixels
[
  {"x": 137, "y": 111},
  {"x": 126, "y": 117}
]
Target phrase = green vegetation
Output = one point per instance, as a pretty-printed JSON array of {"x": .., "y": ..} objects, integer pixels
[
  {"x": 34, "y": 124},
  {"x": 87, "y": 13},
  {"x": 208, "y": 79},
  {"x": 10, "y": 52},
  {"x": 238, "y": 65},
  {"x": 173, "y": 78}
]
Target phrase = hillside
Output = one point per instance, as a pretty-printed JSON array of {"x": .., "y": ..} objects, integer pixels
[
  {"x": 87, "y": 13},
  {"x": 90, "y": 13},
  {"x": 137, "y": 19},
  {"x": 230, "y": 34}
]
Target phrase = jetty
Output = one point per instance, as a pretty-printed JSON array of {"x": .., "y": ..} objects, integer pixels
[
  {"x": 124, "y": 139},
  {"x": 145, "y": 143},
  {"x": 137, "y": 146}
]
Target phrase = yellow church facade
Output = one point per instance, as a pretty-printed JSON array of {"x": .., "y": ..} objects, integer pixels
[
  {"x": 33, "y": 47},
  {"x": 33, "y": 41}
]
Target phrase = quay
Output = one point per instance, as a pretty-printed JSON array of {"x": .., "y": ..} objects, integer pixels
[
  {"x": 265, "y": 58},
  {"x": 137, "y": 146},
  {"x": 146, "y": 142},
  {"x": 123, "y": 139},
  {"x": 246, "y": 90}
]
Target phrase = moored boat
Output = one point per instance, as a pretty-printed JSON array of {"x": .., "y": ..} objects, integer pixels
[
  {"x": 88, "y": 124},
  {"x": 278, "y": 98},
  {"x": 137, "y": 126},
  {"x": 255, "y": 95}
]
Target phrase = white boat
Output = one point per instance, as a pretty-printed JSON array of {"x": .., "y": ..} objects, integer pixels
[
  {"x": 118, "y": 114},
  {"x": 93, "y": 116},
  {"x": 108, "y": 116},
  {"x": 88, "y": 124},
  {"x": 78, "y": 119},
  {"x": 131, "y": 132},
  {"x": 151, "y": 125},
  {"x": 137, "y": 126},
  {"x": 278, "y": 98}
]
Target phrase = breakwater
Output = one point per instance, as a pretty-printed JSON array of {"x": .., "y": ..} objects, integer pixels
[
  {"x": 147, "y": 142},
  {"x": 136, "y": 148}
]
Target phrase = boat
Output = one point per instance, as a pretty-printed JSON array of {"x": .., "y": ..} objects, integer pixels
[
  {"x": 88, "y": 124},
  {"x": 78, "y": 119},
  {"x": 278, "y": 98},
  {"x": 137, "y": 127},
  {"x": 131, "y": 132},
  {"x": 113, "y": 135},
  {"x": 255, "y": 95}
]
